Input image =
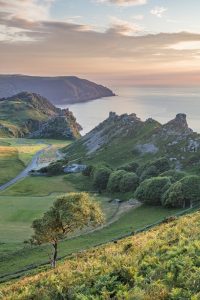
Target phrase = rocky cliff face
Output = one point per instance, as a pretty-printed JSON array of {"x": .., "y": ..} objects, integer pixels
[
  {"x": 59, "y": 90},
  {"x": 126, "y": 137},
  {"x": 30, "y": 115}
]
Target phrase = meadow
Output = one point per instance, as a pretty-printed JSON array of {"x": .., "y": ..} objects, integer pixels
[{"x": 30, "y": 198}]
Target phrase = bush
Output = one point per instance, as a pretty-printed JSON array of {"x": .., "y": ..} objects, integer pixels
[
  {"x": 55, "y": 168},
  {"x": 148, "y": 173},
  {"x": 174, "y": 175},
  {"x": 151, "y": 190},
  {"x": 130, "y": 167},
  {"x": 101, "y": 177},
  {"x": 183, "y": 193},
  {"x": 129, "y": 182},
  {"x": 114, "y": 181},
  {"x": 88, "y": 171},
  {"x": 153, "y": 169}
]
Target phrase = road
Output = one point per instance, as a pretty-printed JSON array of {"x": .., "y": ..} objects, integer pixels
[{"x": 32, "y": 165}]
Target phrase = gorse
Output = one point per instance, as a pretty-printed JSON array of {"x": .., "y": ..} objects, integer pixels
[{"x": 160, "y": 264}]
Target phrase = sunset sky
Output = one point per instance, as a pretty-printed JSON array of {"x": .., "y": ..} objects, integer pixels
[{"x": 139, "y": 42}]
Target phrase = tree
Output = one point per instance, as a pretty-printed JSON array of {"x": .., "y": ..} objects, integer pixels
[
  {"x": 130, "y": 167},
  {"x": 183, "y": 193},
  {"x": 69, "y": 212},
  {"x": 114, "y": 181},
  {"x": 101, "y": 177},
  {"x": 174, "y": 175},
  {"x": 151, "y": 190},
  {"x": 129, "y": 182}
]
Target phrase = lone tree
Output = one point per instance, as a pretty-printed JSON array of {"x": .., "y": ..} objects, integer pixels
[{"x": 69, "y": 212}]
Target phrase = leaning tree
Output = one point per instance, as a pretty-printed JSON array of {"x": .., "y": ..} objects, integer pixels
[{"x": 69, "y": 213}]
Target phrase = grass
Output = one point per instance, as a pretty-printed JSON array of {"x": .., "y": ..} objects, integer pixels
[
  {"x": 39, "y": 186},
  {"x": 15, "y": 154},
  {"x": 159, "y": 264},
  {"x": 25, "y": 257}
]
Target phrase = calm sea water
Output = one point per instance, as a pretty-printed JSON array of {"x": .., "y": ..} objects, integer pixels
[{"x": 161, "y": 104}]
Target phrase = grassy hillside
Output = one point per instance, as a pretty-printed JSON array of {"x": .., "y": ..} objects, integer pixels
[
  {"x": 15, "y": 155},
  {"x": 25, "y": 114},
  {"x": 160, "y": 264},
  {"x": 125, "y": 138}
]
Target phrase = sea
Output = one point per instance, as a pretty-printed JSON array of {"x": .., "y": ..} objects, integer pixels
[{"x": 161, "y": 104}]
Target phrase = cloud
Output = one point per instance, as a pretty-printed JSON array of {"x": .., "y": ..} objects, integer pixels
[
  {"x": 158, "y": 11},
  {"x": 124, "y": 2},
  {"x": 18, "y": 17},
  {"x": 56, "y": 47},
  {"x": 123, "y": 27},
  {"x": 32, "y": 10},
  {"x": 190, "y": 45}
]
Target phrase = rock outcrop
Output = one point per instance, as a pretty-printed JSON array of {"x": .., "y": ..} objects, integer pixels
[
  {"x": 126, "y": 137},
  {"x": 33, "y": 116},
  {"x": 59, "y": 90}
]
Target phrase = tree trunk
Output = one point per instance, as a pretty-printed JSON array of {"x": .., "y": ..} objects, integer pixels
[{"x": 55, "y": 253}]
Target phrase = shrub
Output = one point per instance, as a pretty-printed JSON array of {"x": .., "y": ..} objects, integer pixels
[
  {"x": 130, "y": 167},
  {"x": 153, "y": 169},
  {"x": 55, "y": 168},
  {"x": 174, "y": 175},
  {"x": 88, "y": 171},
  {"x": 148, "y": 173},
  {"x": 129, "y": 182},
  {"x": 151, "y": 190},
  {"x": 101, "y": 177},
  {"x": 114, "y": 181},
  {"x": 183, "y": 193}
]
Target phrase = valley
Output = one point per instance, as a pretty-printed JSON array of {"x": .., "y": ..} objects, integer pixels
[{"x": 130, "y": 165}]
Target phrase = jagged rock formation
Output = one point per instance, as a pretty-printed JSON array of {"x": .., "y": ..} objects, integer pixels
[
  {"x": 30, "y": 115},
  {"x": 126, "y": 137},
  {"x": 177, "y": 125},
  {"x": 59, "y": 90}
]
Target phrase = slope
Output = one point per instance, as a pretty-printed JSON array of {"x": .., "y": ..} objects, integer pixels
[
  {"x": 160, "y": 264},
  {"x": 59, "y": 90},
  {"x": 31, "y": 115}
]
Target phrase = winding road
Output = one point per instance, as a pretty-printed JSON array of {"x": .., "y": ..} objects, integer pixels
[{"x": 32, "y": 165}]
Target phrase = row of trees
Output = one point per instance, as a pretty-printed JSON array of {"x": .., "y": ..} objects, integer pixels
[
  {"x": 126, "y": 178},
  {"x": 163, "y": 191},
  {"x": 154, "y": 183}
]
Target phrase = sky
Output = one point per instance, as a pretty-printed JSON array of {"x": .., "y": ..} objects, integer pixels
[{"x": 123, "y": 42}]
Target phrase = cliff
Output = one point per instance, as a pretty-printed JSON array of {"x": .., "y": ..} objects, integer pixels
[{"x": 59, "y": 90}]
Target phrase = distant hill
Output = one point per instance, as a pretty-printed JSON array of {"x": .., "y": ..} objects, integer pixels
[
  {"x": 59, "y": 90},
  {"x": 31, "y": 115},
  {"x": 124, "y": 138}
]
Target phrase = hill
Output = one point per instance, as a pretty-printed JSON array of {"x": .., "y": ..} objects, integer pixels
[
  {"x": 31, "y": 115},
  {"x": 122, "y": 139},
  {"x": 160, "y": 264},
  {"x": 59, "y": 90}
]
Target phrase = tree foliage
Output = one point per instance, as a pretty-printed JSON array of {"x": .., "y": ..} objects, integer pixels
[
  {"x": 185, "y": 192},
  {"x": 114, "y": 181},
  {"x": 69, "y": 213},
  {"x": 101, "y": 177},
  {"x": 151, "y": 190},
  {"x": 129, "y": 182}
]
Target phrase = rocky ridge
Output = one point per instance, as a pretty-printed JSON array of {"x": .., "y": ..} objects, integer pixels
[
  {"x": 128, "y": 137},
  {"x": 31, "y": 115}
]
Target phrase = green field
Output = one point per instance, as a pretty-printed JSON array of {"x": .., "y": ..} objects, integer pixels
[
  {"x": 15, "y": 154},
  {"x": 29, "y": 198},
  {"x": 17, "y": 213}
]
